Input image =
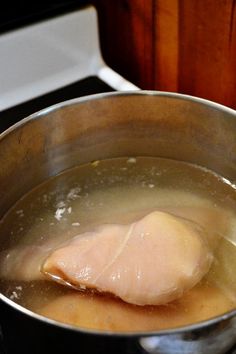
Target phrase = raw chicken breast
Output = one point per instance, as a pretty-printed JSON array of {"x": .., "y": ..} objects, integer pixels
[{"x": 149, "y": 262}]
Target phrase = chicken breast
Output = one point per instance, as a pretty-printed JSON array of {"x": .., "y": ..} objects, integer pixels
[{"x": 149, "y": 262}]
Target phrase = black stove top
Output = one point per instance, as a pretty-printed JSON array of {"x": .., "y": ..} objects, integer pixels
[{"x": 87, "y": 86}]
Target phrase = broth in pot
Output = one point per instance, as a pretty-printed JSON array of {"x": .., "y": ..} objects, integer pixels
[{"x": 123, "y": 192}]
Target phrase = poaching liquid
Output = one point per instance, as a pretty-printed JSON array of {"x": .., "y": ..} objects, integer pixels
[{"x": 120, "y": 191}]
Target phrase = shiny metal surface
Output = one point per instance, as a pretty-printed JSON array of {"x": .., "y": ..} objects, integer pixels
[{"x": 124, "y": 124}]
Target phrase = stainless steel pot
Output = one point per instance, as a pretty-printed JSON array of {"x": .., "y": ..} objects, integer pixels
[{"x": 111, "y": 125}]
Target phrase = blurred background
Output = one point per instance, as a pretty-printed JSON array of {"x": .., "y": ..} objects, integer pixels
[{"x": 186, "y": 46}]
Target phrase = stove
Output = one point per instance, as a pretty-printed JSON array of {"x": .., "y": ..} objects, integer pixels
[{"x": 52, "y": 61}]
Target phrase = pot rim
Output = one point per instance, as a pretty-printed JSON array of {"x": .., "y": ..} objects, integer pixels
[
  {"x": 94, "y": 97},
  {"x": 37, "y": 115}
]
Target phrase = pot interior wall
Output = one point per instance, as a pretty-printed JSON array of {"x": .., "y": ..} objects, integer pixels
[{"x": 110, "y": 126}]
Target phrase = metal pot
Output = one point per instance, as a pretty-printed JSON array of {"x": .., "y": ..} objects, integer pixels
[{"x": 97, "y": 127}]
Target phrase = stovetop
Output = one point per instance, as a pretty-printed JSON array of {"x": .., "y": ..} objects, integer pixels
[{"x": 52, "y": 54}]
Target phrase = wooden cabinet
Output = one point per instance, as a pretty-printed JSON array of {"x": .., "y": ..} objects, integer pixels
[{"x": 186, "y": 46}]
